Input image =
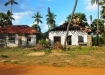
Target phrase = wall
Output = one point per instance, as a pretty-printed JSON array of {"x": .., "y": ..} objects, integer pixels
[
  {"x": 74, "y": 37},
  {"x": 31, "y": 43},
  {"x": 9, "y": 44}
]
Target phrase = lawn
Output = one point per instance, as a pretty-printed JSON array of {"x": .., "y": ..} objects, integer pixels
[{"x": 73, "y": 56}]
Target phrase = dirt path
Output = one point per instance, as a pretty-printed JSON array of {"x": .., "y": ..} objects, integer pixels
[{"x": 10, "y": 69}]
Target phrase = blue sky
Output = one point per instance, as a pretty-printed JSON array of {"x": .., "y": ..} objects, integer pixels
[{"x": 25, "y": 9}]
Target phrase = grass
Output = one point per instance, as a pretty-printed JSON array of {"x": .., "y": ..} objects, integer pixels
[{"x": 73, "y": 56}]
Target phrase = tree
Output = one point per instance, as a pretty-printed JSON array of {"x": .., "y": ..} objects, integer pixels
[
  {"x": 102, "y": 3},
  {"x": 94, "y": 26},
  {"x": 97, "y": 2},
  {"x": 76, "y": 1},
  {"x": 2, "y": 15},
  {"x": 36, "y": 27},
  {"x": 5, "y": 19},
  {"x": 11, "y": 2},
  {"x": 37, "y": 17},
  {"x": 78, "y": 19},
  {"x": 50, "y": 18},
  {"x": 8, "y": 18}
]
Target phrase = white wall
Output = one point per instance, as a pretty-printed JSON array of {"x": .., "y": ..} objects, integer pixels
[
  {"x": 9, "y": 44},
  {"x": 24, "y": 40},
  {"x": 33, "y": 40},
  {"x": 74, "y": 36},
  {"x": 31, "y": 43}
]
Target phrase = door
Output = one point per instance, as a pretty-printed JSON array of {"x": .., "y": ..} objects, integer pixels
[
  {"x": 57, "y": 39},
  {"x": 69, "y": 40}
]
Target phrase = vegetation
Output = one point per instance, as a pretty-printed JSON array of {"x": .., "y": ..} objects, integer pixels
[
  {"x": 78, "y": 19},
  {"x": 50, "y": 19},
  {"x": 94, "y": 26},
  {"x": 76, "y": 1},
  {"x": 5, "y": 19},
  {"x": 11, "y": 2},
  {"x": 73, "y": 56}
]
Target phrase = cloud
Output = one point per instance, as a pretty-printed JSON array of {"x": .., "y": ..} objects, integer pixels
[
  {"x": 21, "y": 15},
  {"x": 89, "y": 6},
  {"x": 44, "y": 27},
  {"x": 49, "y": 0}
]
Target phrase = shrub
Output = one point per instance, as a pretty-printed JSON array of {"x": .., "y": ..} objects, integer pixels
[{"x": 58, "y": 46}]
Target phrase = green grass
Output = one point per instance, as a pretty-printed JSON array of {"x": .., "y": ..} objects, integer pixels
[{"x": 73, "y": 56}]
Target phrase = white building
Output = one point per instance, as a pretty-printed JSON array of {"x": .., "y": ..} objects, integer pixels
[
  {"x": 77, "y": 35},
  {"x": 19, "y": 35}
]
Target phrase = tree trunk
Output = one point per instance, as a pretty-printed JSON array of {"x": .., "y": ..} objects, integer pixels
[
  {"x": 11, "y": 12},
  {"x": 76, "y": 1},
  {"x": 97, "y": 22}
]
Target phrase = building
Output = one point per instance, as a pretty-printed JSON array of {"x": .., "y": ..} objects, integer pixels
[
  {"x": 77, "y": 35},
  {"x": 18, "y": 35}
]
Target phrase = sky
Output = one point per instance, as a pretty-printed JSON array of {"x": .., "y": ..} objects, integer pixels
[{"x": 25, "y": 9}]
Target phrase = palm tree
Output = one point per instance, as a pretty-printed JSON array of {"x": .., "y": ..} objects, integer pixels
[
  {"x": 50, "y": 18},
  {"x": 37, "y": 17},
  {"x": 76, "y": 1},
  {"x": 78, "y": 19},
  {"x": 97, "y": 2},
  {"x": 8, "y": 18},
  {"x": 11, "y": 2}
]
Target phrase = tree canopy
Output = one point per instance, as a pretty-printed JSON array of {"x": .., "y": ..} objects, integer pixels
[{"x": 78, "y": 19}]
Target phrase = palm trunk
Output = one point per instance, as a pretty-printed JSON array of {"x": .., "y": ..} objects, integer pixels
[
  {"x": 11, "y": 13},
  {"x": 97, "y": 21},
  {"x": 76, "y": 1}
]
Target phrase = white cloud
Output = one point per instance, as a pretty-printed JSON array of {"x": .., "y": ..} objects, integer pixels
[
  {"x": 90, "y": 6},
  {"x": 21, "y": 15},
  {"x": 49, "y": 0},
  {"x": 44, "y": 27}
]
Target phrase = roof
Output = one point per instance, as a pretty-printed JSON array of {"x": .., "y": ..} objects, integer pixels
[
  {"x": 18, "y": 29},
  {"x": 63, "y": 27}
]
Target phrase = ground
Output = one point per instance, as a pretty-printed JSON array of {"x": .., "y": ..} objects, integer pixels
[{"x": 13, "y": 69}]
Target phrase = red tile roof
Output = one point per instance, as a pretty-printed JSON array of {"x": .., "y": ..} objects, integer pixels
[{"x": 18, "y": 29}]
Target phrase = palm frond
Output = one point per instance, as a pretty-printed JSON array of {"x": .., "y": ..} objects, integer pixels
[{"x": 6, "y": 3}]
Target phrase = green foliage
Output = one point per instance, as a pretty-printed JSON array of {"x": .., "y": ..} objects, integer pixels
[
  {"x": 37, "y": 17},
  {"x": 100, "y": 41},
  {"x": 103, "y": 37},
  {"x": 50, "y": 19},
  {"x": 43, "y": 42},
  {"x": 5, "y": 19},
  {"x": 36, "y": 27},
  {"x": 100, "y": 26},
  {"x": 79, "y": 19}
]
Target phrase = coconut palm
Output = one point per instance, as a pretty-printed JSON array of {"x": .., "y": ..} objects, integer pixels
[
  {"x": 8, "y": 18},
  {"x": 76, "y": 1},
  {"x": 50, "y": 18},
  {"x": 11, "y": 2},
  {"x": 37, "y": 17}
]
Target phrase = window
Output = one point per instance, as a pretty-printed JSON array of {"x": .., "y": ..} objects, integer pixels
[
  {"x": 2, "y": 40},
  {"x": 80, "y": 39},
  {"x": 28, "y": 39},
  {"x": 69, "y": 40},
  {"x": 57, "y": 39},
  {"x": 12, "y": 39}
]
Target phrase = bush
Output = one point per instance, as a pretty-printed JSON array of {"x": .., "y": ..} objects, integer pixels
[{"x": 58, "y": 46}]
